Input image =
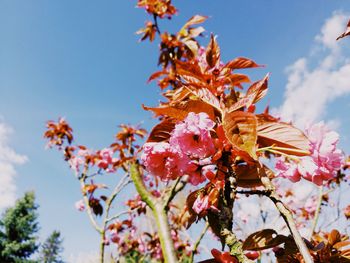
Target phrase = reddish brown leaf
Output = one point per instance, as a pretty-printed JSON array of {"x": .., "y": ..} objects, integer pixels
[
  {"x": 289, "y": 139},
  {"x": 207, "y": 96},
  {"x": 249, "y": 175},
  {"x": 264, "y": 239},
  {"x": 257, "y": 90},
  {"x": 167, "y": 111},
  {"x": 240, "y": 129},
  {"x": 181, "y": 110},
  {"x": 162, "y": 131},
  {"x": 197, "y": 19},
  {"x": 334, "y": 237},
  {"x": 213, "y": 53},
  {"x": 346, "y": 33},
  {"x": 156, "y": 75},
  {"x": 235, "y": 79},
  {"x": 239, "y": 63}
]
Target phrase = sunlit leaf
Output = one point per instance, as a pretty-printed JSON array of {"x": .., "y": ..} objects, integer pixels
[
  {"x": 197, "y": 19},
  {"x": 289, "y": 139},
  {"x": 162, "y": 131},
  {"x": 346, "y": 33},
  {"x": 264, "y": 239},
  {"x": 213, "y": 53},
  {"x": 240, "y": 129},
  {"x": 240, "y": 63}
]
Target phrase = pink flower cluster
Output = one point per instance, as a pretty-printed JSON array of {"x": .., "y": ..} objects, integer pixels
[
  {"x": 186, "y": 153},
  {"x": 106, "y": 160},
  {"x": 323, "y": 163}
]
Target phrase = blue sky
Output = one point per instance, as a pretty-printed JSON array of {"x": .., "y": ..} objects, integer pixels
[{"x": 82, "y": 60}]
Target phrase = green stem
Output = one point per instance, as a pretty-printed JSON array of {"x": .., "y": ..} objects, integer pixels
[
  {"x": 158, "y": 210},
  {"x": 198, "y": 241},
  {"x": 317, "y": 212}
]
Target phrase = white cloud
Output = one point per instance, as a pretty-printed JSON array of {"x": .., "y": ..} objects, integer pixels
[
  {"x": 8, "y": 159},
  {"x": 83, "y": 257},
  {"x": 310, "y": 89}
]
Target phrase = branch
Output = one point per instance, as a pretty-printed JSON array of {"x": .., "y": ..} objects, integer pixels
[
  {"x": 198, "y": 241},
  {"x": 317, "y": 211},
  {"x": 159, "y": 214},
  {"x": 122, "y": 183},
  {"x": 146, "y": 196},
  {"x": 177, "y": 187},
  {"x": 235, "y": 246},
  {"x": 288, "y": 218},
  {"x": 86, "y": 200}
]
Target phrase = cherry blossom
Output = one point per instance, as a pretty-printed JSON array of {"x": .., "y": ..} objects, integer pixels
[
  {"x": 193, "y": 137},
  {"x": 164, "y": 161},
  {"x": 80, "y": 205}
]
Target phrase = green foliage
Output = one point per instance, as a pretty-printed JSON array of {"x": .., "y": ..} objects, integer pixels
[
  {"x": 52, "y": 248},
  {"x": 17, "y": 231}
]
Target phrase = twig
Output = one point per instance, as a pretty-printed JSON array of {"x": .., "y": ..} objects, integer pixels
[
  {"x": 177, "y": 187},
  {"x": 122, "y": 183},
  {"x": 198, "y": 241},
  {"x": 288, "y": 218},
  {"x": 117, "y": 216},
  {"x": 317, "y": 211},
  {"x": 86, "y": 199}
]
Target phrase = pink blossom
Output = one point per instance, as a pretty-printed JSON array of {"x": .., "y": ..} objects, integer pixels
[
  {"x": 324, "y": 161},
  {"x": 201, "y": 204},
  {"x": 193, "y": 137},
  {"x": 310, "y": 204},
  {"x": 164, "y": 161},
  {"x": 287, "y": 170},
  {"x": 80, "y": 205},
  {"x": 106, "y": 159},
  {"x": 327, "y": 158},
  {"x": 75, "y": 163}
]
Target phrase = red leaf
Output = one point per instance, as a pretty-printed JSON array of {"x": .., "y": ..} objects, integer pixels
[
  {"x": 346, "y": 33},
  {"x": 257, "y": 90},
  {"x": 239, "y": 63},
  {"x": 207, "y": 96},
  {"x": 213, "y": 53},
  {"x": 240, "y": 130},
  {"x": 289, "y": 139},
  {"x": 162, "y": 131},
  {"x": 197, "y": 19}
]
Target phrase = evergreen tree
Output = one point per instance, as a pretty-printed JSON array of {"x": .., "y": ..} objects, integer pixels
[
  {"x": 17, "y": 231},
  {"x": 52, "y": 248}
]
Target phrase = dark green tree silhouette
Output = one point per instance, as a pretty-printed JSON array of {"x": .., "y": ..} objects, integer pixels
[
  {"x": 52, "y": 248},
  {"x": 18, "y": 228}
]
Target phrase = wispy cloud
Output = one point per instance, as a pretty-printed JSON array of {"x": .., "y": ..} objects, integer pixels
[
  {"x": 8, "y": 159},
  {"x": 310, "y": 89},
  {"x": 83, "y": 257}
]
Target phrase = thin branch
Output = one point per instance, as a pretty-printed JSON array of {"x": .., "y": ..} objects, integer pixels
[
  {"x": 156, "y": 23},
  {"x": 288, "y": 218},
  {"x": 117, "y": 216},
  {"x": 86, "y": 200},
  {"x": 177, "y": 187},
  {"x": 317, "y": 211},
  {"x": 198, "y": 241}
]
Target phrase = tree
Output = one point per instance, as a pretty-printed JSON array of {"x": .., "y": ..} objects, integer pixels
[
  {"x": 51, "y": 249},
  {"x": 18, "y": 228},
  {"x": 210, "y": 144}
]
